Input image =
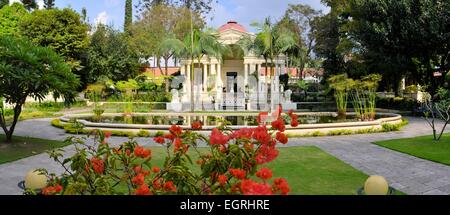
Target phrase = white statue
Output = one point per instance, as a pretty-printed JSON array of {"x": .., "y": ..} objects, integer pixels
[
  {"x": 175, "y": 97},
  {"x": 287, "y": 95}
]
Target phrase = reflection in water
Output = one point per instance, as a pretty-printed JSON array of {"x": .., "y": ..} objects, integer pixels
[{"x": 210, "y": 120}]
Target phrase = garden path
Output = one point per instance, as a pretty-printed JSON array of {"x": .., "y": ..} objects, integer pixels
[{"x": 404, "y": 172}]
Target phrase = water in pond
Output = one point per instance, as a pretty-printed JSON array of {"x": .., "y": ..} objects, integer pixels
[{"x": 208, "y": 120}]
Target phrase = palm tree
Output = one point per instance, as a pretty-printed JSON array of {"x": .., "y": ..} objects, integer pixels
[
  {"x": 169, "y": 47},
  {"x": 197, "y": 45},
  {"x": 253, "y": 46},
  {"x": 271, "y": 42}
]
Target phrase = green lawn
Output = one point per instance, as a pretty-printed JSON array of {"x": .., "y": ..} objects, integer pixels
[
  {"x": 24, "y": 147},
  {"x": 308, "y": 169},
  {"x": 423, "y": 147}
]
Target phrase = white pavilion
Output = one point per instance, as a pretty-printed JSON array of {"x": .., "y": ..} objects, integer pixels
[{"x": 236, "y": 82}]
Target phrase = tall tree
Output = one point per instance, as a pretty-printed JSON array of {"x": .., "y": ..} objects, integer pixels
[
  {"x": 61, "y": 30},
  {"x": 199, "y": 6},
  {"x": 159, "y": 23},
  {"x": 29, "y": 70},
  {"x": 128, "y": 15},
  {"x": 404, "y": 38},
  {"x": 49, "y": 4},
  {"x": 29, "y": 4},
  {"x": 272, "y": 42},
  {"x": 84, "y": 15},
  {"x": 3, "y": 3},
  {"x": 300, "y": 20},
  {"x": 110, "y": 56},
  {"x": 198, "y": 44},
  {"x": 10, "y": 17}
]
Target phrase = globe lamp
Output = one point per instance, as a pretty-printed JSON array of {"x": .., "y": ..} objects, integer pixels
[
  {"x": 376, "y": 185},
  {"x": 34, "y": 180}
]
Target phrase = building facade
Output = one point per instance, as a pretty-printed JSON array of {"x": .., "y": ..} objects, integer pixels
[{"x": 239, "y": 81}]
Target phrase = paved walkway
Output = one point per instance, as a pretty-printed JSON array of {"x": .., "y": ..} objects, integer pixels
[{"x": 406, "y": 173}]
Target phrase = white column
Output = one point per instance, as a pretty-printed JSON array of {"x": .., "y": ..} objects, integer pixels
[
  {"x": 183, "y": 72},
  {"x": 188, "y": 78},
  {"x": 246, "y": 75},
  {"x": 205, "y": 77},
  {"x": 219, "y": 85}
]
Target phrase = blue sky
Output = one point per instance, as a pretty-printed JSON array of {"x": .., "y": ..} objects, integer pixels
[{"x": 242, "y": 11}]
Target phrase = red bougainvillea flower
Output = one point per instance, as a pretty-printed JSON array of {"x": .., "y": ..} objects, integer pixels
[
  {"x": 169, "y": 136},
  {"x": 176, "y": 130},
  {"x": 177, "y": 144},
  {"x": 52, "y": 190},
  {"x": 249, "y": 146},
  {"x": 128, "y": 152},
  {"x": 142, "y": 190},
  {"x": 223, "y": 149},
  {"x": 156, "y": 184},
  {"x": 159, "y": 140},
  {"x": 222, "y": 179},
  {"x": 169, "y": 187},
  {"x": 262, "y": 117},
  {"x": 261, "y": 134},
  {"x": 139, "y": 179},
  {"x": 264, "y": 173},
  {"x": 108, "y": 134},
  {"x": 141, "y": 152},
  {"x": 266, "y": 154},
  {"x": 290, "y": 112},
  {"x": 280, "y": 184},
  {"x": 243, "y": 133},
  {"x": 278, "y": 124},
  {"x": 294, "y": 121},
  {"x": 217, "y": 137},
  {"x": 250, "y": 187},
  {"x": 197, "y": 125},
  {"x": 139, "y": 169},
  {"x": 156, "y": 169},
  {"x": 238, "y": 173},
  {"x": 98, "y": 165},
  {"x": 281, "y": 137}
]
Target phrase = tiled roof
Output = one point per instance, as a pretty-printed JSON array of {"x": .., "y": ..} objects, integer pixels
[
  {"x": 232, "y": 25},
  {"x": 158, "y": 72}
]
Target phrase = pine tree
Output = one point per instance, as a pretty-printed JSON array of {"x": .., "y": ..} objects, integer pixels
[
  {"x": 29, "y": 4},
  {"x": 49, "y": 4},
  {"x": 128, "y": 15}
]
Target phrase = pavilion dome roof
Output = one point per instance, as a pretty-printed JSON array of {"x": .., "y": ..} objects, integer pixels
[{"x": 233, "y": 25}]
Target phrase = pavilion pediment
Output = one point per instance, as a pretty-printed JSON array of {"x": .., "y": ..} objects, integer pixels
[{"x": 231, "y": 36}]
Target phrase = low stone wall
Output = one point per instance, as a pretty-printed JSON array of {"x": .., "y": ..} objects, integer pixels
[{"x": 302, "y": 129}]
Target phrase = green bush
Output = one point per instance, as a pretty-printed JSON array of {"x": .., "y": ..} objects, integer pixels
[
  {"x": 143, "y": 133},
  {"x": 397, "y": 103}
]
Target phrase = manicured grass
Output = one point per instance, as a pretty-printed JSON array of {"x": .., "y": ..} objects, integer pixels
[
  {"x": 423, "y": 147},
  {"x": 308, "y": 170},
  {"x": 24, "y": 147}
]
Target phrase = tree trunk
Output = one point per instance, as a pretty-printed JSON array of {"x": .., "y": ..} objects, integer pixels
[
  {"x": 166, "y": 79},
  {"x": 192, "y": 85},
  {"x": 9, "y": 133}
]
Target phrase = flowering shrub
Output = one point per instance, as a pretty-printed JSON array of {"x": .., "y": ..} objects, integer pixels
[{"x": 229, "y": 166}]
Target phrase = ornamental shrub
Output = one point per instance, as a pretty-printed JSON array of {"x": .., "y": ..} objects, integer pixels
[{"x": 231, "y": 164}]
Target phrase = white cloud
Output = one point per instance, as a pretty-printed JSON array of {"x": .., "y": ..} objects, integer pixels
[
  {"x": 13, "y": 1},
  {"x": 101, "y": 18},
  {"x": 40, "y": 4}
]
